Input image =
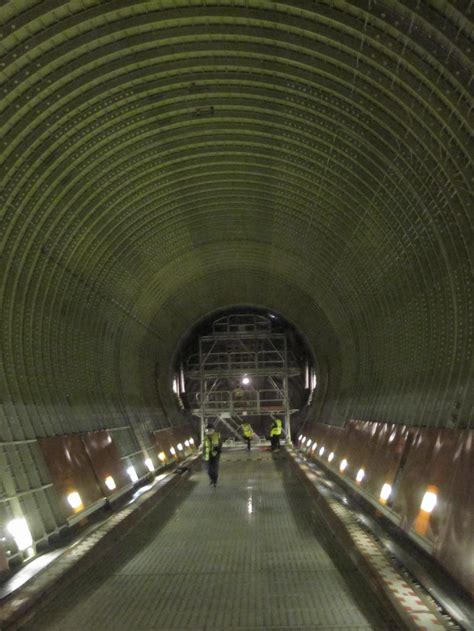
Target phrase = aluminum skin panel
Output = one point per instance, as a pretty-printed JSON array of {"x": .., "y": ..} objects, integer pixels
[
  {"x": 70, "y": 469},
  {"x": 105, "y": 460}
]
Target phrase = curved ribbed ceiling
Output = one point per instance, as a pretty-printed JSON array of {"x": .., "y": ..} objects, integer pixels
[{"x": 161, "y": 160}]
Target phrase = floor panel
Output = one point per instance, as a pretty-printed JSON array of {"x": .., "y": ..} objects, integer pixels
[{"x": 247, "y": 555}]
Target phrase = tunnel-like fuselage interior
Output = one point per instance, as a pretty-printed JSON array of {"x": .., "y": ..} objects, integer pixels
[{"x": 163, "y": 164}]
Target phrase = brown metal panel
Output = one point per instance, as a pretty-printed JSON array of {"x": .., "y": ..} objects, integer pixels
[
  {"x": 105, "y": 460},
  {"x": 454, "y": 544},
  {"x": 429, "y": 464},
  {"x": 70, "y": 469},
  {"x": 386, "y": 451},
  {"x": 355, "y": 445},
  {"x": 3, "y": 561}
]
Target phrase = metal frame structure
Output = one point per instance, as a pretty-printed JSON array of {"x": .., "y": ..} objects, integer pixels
[{"x": 242, "y": 345}]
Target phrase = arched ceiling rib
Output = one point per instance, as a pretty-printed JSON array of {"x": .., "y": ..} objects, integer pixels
[{"x": 152, "y": 151}]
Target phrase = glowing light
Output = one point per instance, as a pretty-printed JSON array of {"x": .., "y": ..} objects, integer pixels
[
  {"x": 162, "y": 456},
  {"x": 303, "y": 439},
  {"x": 175, "y": 386},
  {"x": 343, "y": 465},
  {"x": 300, "y": 437},
  {"x": 74, "y": 500},
  {"x": 315, "y": 444},
  {"x": 173, "y": 451},
  {"x": 321, "y": 451},
  {"x": 245, "y": 381},
  {"x": 331, "y": 456},
  {"x": 308, "y": 444},
  {"x": 385, "y": 492},
  {"x": 180, "y": 447},
  {"x": 191, "y": 441},
  {"x": 18, "y": 528},
  {"x": 360, "y": 475},
  {"x": 186, "y": 443},
  {"x": 110, "y": 483},
  {"x": 149, "y": 464},
  {"x": 249, "y": 506},
  {"x": 429, "y": 501},
  {"x": 132, "y": 474}
]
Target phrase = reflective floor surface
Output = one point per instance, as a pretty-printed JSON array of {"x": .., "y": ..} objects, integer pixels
[{"x": 250, "y": 554}]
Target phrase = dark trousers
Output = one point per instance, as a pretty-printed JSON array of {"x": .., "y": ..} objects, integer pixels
[
  {"x": 248, "y": 440},
  {"x": 213, "y": 469},
  {"x": 275, "y": 442}
]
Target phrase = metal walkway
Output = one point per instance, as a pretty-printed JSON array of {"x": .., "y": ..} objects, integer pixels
[{"x": 247, "y": 555}]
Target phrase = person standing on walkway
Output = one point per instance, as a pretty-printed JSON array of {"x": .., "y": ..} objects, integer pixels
[
  {"x": 211, "y": 451},
  {"x": 275, "y": 434},
  {"x": 247, "y": 433}
]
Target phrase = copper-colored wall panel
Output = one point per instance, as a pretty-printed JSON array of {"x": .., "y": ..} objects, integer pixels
[
  {"x": 388, "y": 443},
  {"x": 454, "y": 544},
  {"x": 438, "y": 459},
  {"x": 105, "y": 460},
  {"x": 3, "y": 561},
  {"x": 70, "y": 469},
  {"x": 164, "y": 439}
]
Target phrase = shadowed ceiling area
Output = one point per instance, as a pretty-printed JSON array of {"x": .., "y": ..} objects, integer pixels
[{"x": 163, "y": 160}]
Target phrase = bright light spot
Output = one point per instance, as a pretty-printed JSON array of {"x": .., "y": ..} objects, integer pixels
[
  {"x": 149, "y": 464},
  {"x": 360, "y": 475},
  {"x": 191, "y": 441},
  {"x": 162, "y": 456},
  {"x": 186, "y": 443},
  {"x": 110, "y": 483},
  {"x": 249, "y": 506},
  {"x": 173, "y": 451},
  {"x": 303, "y": 439},
  {"x": 385, "y": 492},
  {"x": 30, "y": 552},
  {"x": 132, "y": 474},
  {"x": 321, "y": 451},
  {"x": 18, "y": 528},
  {"x": 308, "y": 444},
  {"x": 175, "y": 386},
  {"x": 429, "y": 501},
  {"x": 74, "y": 499},
  {"x": 300, "y": 437},
  {"x": 331, "y": 456},
  {"x": 180, "y": 447},
  {"x": 245, "y": 381},
  {"x": 343, "y": 465},
  {"x": 315, "y": 444}
]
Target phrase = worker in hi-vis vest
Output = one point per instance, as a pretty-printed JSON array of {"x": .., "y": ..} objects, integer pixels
[
  {"x": 275, "y": 433},
  {"x": 247, "y": 433},
  {"x": 211, "y": 451}
]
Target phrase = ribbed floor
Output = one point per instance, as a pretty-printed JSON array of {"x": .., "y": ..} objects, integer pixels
[{"x": 247, "y": 555}]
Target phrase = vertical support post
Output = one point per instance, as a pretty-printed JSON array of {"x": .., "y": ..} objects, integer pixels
[
  {"x": 285, "y": 390},
  {"x": 201, "y": 391}
]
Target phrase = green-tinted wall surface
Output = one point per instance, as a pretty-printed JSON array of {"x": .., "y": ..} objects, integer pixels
[{"x": 162, "y": 160}]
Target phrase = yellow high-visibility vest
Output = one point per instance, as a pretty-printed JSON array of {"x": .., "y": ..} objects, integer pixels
[
  {"x": 247, "y": 430},
  {"x": 276, "y": 429},
  {"x": 211, "y": 447}
]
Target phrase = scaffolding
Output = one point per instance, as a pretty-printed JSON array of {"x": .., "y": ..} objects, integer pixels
[{"x": 242, "y": 368}]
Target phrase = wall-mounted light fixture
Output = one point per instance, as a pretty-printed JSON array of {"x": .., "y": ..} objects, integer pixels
[
  {"x": 75, "y": 501},
  {"x": 18, "y": 528},
  {"x": 132, "y": 474},
  {"x": 385, "y": 492},
  {"x": 110, "y": 483},
  {"x": 149, "y": 464}
]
